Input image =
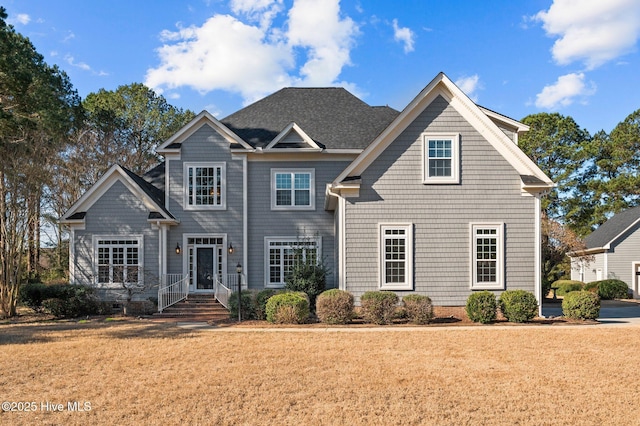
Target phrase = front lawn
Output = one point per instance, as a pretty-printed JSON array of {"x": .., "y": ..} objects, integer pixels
[{"x": 141, "y": 372}]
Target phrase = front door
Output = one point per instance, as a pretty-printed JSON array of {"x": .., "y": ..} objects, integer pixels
[{"x": 204, "y": 267}]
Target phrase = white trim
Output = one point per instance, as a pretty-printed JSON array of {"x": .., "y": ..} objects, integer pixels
[
  {"x": 267, "y": 240},
  {"x": 245, "y": 218},
  {"x": 342, "y": 248},
  {"x": 635, "y": 279},
  {"x": 312, "y": 189},
  {"x": 499, "y": 236},
  {"x": 95, "y": 238},
  {"x": 223, "y": 185},
  {"x": 185, "y": 253},
  {"x": 200, "y": 120},
  {"x": 275, "y": 155},
  {"x": 442, "y": 86},
  {"x": 72, "y": 255},
  {"x": 167, "y": 194},
  {"x": 537, "y": 264},
  {"x": 519, "y": 127},
  {"x": 605, "y": 265},
  {"x": 455, "y": 158},
  {"x": 408, "y": 261},
  {"x": 293, "y": 127}
]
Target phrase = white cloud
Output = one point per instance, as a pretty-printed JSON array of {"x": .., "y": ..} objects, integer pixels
[
  {"x": 564, "y": 91},
  {"x": 469, "y": 85},
  {"x": 23, "y": 18},
  {"x": 404, "y": 35},
  {"x": 591, "y": 31},
  {"x": 225, "y": 53},
  {"x": 82, "y": 65}
]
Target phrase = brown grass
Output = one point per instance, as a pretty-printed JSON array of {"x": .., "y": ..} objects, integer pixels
[{"x": 153, "y": 373}]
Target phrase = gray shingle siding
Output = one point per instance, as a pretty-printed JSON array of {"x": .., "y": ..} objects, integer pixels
[
  {"x": 263, "y": 222},
  {"x": 117, "y": 212},
  {"x": 392, "y": 191}
]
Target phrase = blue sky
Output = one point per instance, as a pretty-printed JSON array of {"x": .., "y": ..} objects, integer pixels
[{"x": 576, "y": 57}]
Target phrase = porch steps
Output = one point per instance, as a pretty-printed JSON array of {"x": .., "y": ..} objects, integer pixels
[{"x": 195, "y": 308}]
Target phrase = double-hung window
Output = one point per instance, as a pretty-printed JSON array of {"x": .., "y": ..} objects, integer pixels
[
  {"x": 118, "y": 260},
  {"x": 205, "y": 186},
  {"x": 487, "y": 256},
  {"x": 292, "y": 189},
  {"x": 441, "y": 162},
  {"x": 283, "y": 253},
  {"x": 396, "y": 257}
]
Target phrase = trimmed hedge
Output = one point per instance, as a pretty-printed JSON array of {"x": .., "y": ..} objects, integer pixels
[
  {"x": 261, "y": 302},
  {"x": 581, "y": 305},
  {"x": 481, "y": 307},
  {"x": 288, "y": 308},
  {"x": 518, "y": 305},
  {"x": 612, "y": 289},
  {"x": 334, "y": 306},
  {"x": 567, "y": 286},
  {"x": 418, "y": 308},
  {"x": 378, "y": 307}
]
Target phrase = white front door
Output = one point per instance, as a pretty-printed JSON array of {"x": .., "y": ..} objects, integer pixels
[{"x": 205, "y": 267}]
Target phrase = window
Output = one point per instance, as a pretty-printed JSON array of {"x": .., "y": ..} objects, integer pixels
[
  {"x": 292, "y": 189},
  {"x": 396, "y": 257},
  {"x": 118, "y": 260},
  {"x": 281, "y": 255},
  {"x": 441, "y": 158},
  {"x": 205, "y": 186},
  {"x": 487, "y": 256}
]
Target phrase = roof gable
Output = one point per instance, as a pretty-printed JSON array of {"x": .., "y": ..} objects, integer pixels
[
  {"x": 614, "y": 228},
  {"x": 151, "y": 196},
  {"x": 293, "y": 138},
  {"x": 204, "y": 118},
  {"x": 441, "y": 85}
]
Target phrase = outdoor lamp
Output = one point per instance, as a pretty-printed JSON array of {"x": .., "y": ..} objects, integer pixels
[
  {"x": 178, "y": 249},
  {"x": 230, "y": 248},
  {"x": 239, "y": 271}
]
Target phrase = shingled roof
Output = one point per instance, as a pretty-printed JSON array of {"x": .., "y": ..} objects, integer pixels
[
  {"x": 611, "y": 229},
  {"x": 332, "y": 117}
]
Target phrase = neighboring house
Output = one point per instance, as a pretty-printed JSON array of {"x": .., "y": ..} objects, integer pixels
[
  {"x": 437, "y": 199},
  {"x": 612, "y": 252}
]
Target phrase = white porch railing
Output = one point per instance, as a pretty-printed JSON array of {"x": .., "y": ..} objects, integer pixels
[
  {"x": 223, "y": 290},
  {"x": 173, "y": 288}
]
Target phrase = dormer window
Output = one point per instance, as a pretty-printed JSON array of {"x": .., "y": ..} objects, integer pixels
[{"x": 205, "y": 186}]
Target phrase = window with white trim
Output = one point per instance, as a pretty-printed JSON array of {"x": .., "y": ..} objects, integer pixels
[
  {"x": 282, "y": 253},
  {"x": 292, "y": 189},
  {"x": 441, "y": 158},
  {"x": 205, "y": 186},
  {"x": 487, "y": 256},
  {"x": 396, "y": 257},
  {"x": 118, "y": 260}
]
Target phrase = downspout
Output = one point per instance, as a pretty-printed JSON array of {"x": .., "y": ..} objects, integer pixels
[
  {"x": 245, "y": 220},
  {"x": 538, "y": 253},
  {"x": 340, "y": 237},
  {"x": 72, "y": 255}
]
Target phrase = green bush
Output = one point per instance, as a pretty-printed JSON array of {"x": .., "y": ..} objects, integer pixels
[
  {"x": 261, "y": 302},
  {"x": 418, "y": 308},
  {"x": 612, "y": 289},
  {"x": 567, "y": 286},
  {"x": 71, "y": 301},
  {"x": 334, "y": 306},
  {"x": 481, "y": 307},
  {"x": 378, "y": 307},
  {"x": 592, "y": 286},
  {"x": 581, "y": 305},
  {"x": 307, "y": 276},
  {"x": 32, "y": 295},
  {"x": 248, "y": 305},
  {"x": 518, "y": 305},
  {"x": 288, "y": 308}
]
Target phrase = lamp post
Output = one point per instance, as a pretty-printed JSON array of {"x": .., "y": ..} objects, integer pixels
[{"x": 239, "y": 271}]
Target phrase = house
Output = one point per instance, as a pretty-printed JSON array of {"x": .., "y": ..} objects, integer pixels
[
  {"x": 611, "y": 252},
  {"x": 437, "y": 199}
]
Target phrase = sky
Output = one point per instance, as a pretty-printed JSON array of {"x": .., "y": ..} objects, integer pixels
[{"x": 575, "y": 57}]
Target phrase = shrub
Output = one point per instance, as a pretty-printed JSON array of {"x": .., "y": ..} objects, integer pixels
[
  {"x": 592, "y": 286},
  {"x": 612, "y": 289},
  {"x": 334, "y": 306},
  {"x": 33, "y": 294},
  {"x": 378, "y": 307},
  {"x": 248, "y": 305},
  {"x": 567, "y": 286},
  {"x": 518, "y": 305},
  {"x": 418, "y": 308},
  {"x": 481, "y": 307},
  {"x": 581, "y": 305},
  {"x": 288, "y": 308},
  {"x": 261, "y": 302},
  {"x": 71, "y": 301},
  {"x": 307, "y": 276}
]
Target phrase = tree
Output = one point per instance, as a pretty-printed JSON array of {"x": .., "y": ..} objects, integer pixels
[{"x": 38, "y": 108}]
